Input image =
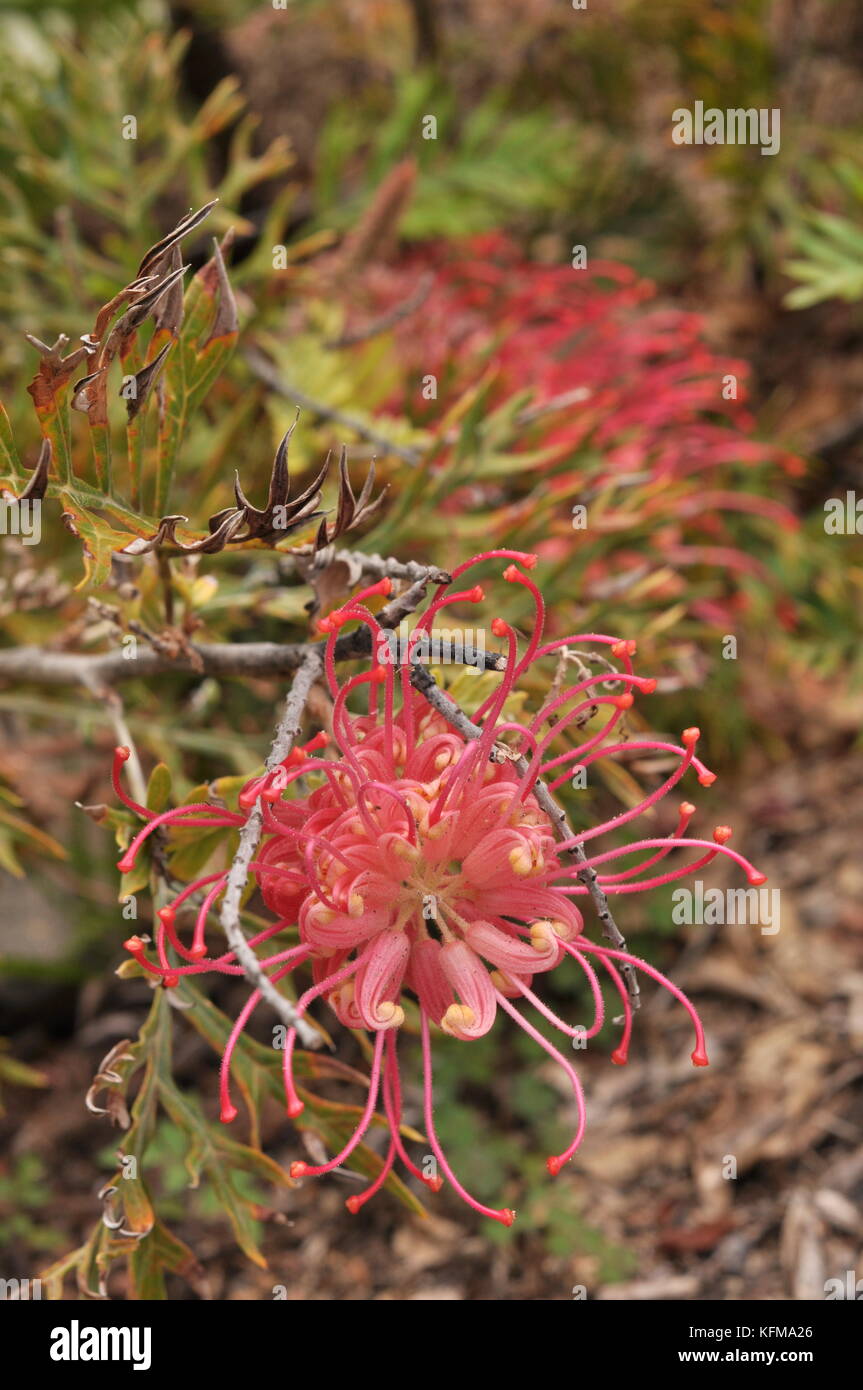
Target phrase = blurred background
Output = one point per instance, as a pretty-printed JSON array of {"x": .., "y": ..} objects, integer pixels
[{"x": 466, "y": 245}]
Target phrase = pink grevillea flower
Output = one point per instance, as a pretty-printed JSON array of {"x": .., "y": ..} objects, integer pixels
[{"x": 422, "y": 864}]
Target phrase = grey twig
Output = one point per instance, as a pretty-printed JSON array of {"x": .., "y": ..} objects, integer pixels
[
  {"x": 289, "y": 728},
  {"x": 44, "y": 667},
  {"x": 302, "y": 561},
  {"x": 424, "y": 682},
  {"x": 100, "y": 672},
  {"x": 267, "y": 373}
]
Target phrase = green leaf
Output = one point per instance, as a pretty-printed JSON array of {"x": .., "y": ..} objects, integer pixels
[
  {"x": 334, "y": 1122},
  {"x": 212, "y": 1151},
  {"x": 8, "y": 451},
  {"x": 192, "y": 848},
  {"x": 161, "y": 1250},
  {"x": 22, "y": 830},
  {"x": 159, "y": 788},
  {"x": 99, "y": 537}
]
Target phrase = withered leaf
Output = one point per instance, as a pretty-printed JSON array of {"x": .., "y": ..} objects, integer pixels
[
  {"x": 156, "y": 254},
  {"x": 263, "y": 523},
  {"x": 54, "y": 369},
  {"x": 168, "y": 312},
  {"x": 37, "y": 483},
  {"x": 351, "y": 510},
  {"x": 126, "y": 327},
  {"x": 83, "y": 398},
  {"x": 165, "y": 535},
  {"x": 144, "y": 380},
  {"x": 214, "y": 273}
]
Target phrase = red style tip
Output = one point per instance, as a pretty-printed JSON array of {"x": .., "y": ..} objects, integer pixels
[
  {"x": 126, "y": 865},
  {"x": 383, "y": 586},
  {"x": 620, "y": 1056},
  {"x": 648, "y": 685},
  {"x": 506, "y": 1216},
  {"x": 299, "y": 1169},
  {"x": 434, "y": 1183},
  {"x": 624, "y": 701},
  {"x": 499, "y": 627},
  {"x": 690, "y": 737},
  {"x": 626, "y": 647},
  {"x": 320, "y": 740},
  {"x": 170, "y": 981},
  {"x": 198, "y": 952},
  {"x": 553, "y": 1165},
  {"x": 123, "y": 754},
  {"x": 699, "y": 1058},
  {"x": 707, "y": 779},
  {"x": 228, "y": 1113},
  {"x": 353, "y": 1204},
  {"x": 476, "y": 594},
  {"x": 378, "y": 674},
  {"x": 511, "y": 574},
  {"x": 756, "y": 879},
  {"x": 687, "y": 808},
  {"x": 722, "y": 833},
  {"x": 295, "y": 1108},
  {"x": 134, "y": 944},
  {"x": 167, "y": 915},
  {"x": 530, "y": 562}
]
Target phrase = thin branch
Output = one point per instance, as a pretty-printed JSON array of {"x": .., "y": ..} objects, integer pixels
[
  {"x": 384, "y": 322},
  {"x": 123, "y": 739},
  {"x": 267, "y": 373},
  {"x": 835, "y": 435},
  {"x": 113, "y": 704},
  {"x": 303, "y": 562},
  {"x": 424, "y": 682},
  {"x": 41, "y": 667},
  {"x": 575, "y": 396},
  {"x": 35, "y": 665},
  {"x": 309, "y": 671}
]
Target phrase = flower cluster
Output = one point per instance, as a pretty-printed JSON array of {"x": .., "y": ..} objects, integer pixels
[
  {"x": 624, "y": 390},
  {"x": 651, "y": 393},
  {"x": 423, "y": 867}
]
